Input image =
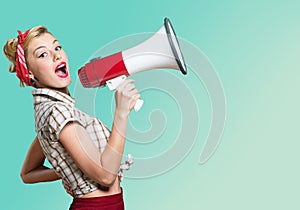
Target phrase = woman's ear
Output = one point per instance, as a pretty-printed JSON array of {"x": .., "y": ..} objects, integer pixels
[{"x": 31, "y": 74}]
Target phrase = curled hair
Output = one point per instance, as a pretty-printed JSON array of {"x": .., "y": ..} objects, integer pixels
[{"x": 10, "y": 48}]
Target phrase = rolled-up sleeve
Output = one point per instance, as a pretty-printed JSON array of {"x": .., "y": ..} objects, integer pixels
[{"x": 60, "y": 115}]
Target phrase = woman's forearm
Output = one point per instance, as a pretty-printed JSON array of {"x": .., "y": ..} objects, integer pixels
[
  {"x": 109, "y": 160},
  {"x": 40, "y": 174},
  {"x": 112, "y": 155},
  {"x": 126, "y": 96},
  {"x": 33, "y": 169}
]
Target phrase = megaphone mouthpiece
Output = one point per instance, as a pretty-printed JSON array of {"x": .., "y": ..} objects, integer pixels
[{"x": 100, "y": 70}]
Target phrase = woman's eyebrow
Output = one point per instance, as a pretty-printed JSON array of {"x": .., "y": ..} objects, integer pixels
[
  {"x": 39, "y": 48},
  {"x": 42, "y": 46}
]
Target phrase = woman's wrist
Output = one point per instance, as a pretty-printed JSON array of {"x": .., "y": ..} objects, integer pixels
[
  {"x": 121, "y": 115},
  {"x": 120, "y": 122}
]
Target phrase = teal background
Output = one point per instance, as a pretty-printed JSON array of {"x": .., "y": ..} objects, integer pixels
[{"x": 254, "y": 46}]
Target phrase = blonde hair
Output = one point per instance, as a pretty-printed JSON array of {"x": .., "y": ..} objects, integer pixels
[{"x": 10, "y": 48}]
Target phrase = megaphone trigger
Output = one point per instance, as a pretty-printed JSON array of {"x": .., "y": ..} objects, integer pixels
[{"x": 138, "y": 104}]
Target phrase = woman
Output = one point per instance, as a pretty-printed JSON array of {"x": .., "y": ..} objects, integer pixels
[{"x": 82, "y": 151}]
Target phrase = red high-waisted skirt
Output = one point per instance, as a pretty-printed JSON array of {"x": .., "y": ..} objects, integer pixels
[{"x": 110, "y": 202}]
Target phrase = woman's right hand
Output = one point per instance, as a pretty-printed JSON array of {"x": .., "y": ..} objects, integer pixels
[{"x": 126, "y": 95}]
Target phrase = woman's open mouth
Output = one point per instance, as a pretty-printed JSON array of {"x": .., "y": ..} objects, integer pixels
[{"x": 61, "y": 70}]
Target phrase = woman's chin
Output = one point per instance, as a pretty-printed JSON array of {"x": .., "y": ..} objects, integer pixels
[{"x": 63, "y": 83}]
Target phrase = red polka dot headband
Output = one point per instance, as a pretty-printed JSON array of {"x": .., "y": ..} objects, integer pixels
[{"x": 21, "y": 66}]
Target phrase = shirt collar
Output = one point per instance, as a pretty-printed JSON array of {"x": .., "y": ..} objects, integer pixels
[{"x": 41, "y": 95}]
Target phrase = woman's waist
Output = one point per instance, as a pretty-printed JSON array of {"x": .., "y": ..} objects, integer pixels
[{"x": 104, "y": 191}]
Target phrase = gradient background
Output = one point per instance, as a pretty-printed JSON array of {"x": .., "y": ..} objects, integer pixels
[{"x": 254, "y": 46}]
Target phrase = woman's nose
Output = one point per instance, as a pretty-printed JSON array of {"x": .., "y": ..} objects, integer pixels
[{"x": 57, "y": 56}]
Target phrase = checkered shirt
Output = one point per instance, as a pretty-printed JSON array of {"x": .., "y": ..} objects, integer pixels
[{"x": 52, "y": 111}]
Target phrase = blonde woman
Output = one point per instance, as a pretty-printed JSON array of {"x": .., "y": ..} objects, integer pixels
[{"x": 83, "y": 152}]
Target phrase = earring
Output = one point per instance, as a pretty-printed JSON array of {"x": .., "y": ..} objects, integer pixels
[{"x": 32, "y": 81}]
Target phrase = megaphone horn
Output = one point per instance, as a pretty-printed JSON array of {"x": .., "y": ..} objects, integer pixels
[{"x": 162, "y": 50}]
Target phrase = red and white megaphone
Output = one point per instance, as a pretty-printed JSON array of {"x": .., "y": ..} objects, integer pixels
[{"x": 162, "y": 50}]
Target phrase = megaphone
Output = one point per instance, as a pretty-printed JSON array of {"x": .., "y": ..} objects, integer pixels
[{"x": 162, "y": 50}]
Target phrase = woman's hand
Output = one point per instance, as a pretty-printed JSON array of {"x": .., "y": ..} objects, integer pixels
[{"x": 126, "y": 96}]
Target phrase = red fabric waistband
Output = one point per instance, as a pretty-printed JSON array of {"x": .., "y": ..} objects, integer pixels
[{"x": 110, "y": 202}]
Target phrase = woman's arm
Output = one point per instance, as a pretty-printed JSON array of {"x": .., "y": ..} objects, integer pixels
[
  {"x": 33, "y": 169},
  {"x": 102, "y": 168}
]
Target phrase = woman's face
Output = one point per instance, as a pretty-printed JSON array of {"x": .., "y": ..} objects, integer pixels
[{"x": 48, "y": 63}]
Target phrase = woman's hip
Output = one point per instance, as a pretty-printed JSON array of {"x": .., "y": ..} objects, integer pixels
[{"x": 109, "y": 202}]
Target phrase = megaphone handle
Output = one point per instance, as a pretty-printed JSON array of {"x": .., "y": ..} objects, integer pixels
[
  {"x": 138, "y": 104},
  {"x": 114, "y": 83}
]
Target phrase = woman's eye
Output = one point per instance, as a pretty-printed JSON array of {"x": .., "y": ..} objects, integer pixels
[
  {"x": 43, "y": 55},
  {"x": 58, "y": 48}
]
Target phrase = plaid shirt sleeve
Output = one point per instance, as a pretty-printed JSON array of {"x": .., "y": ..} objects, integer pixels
[{"x": 61, "y": 115}]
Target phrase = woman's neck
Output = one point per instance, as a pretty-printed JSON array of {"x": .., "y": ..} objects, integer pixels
[{"x": 63, "y": 90}]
